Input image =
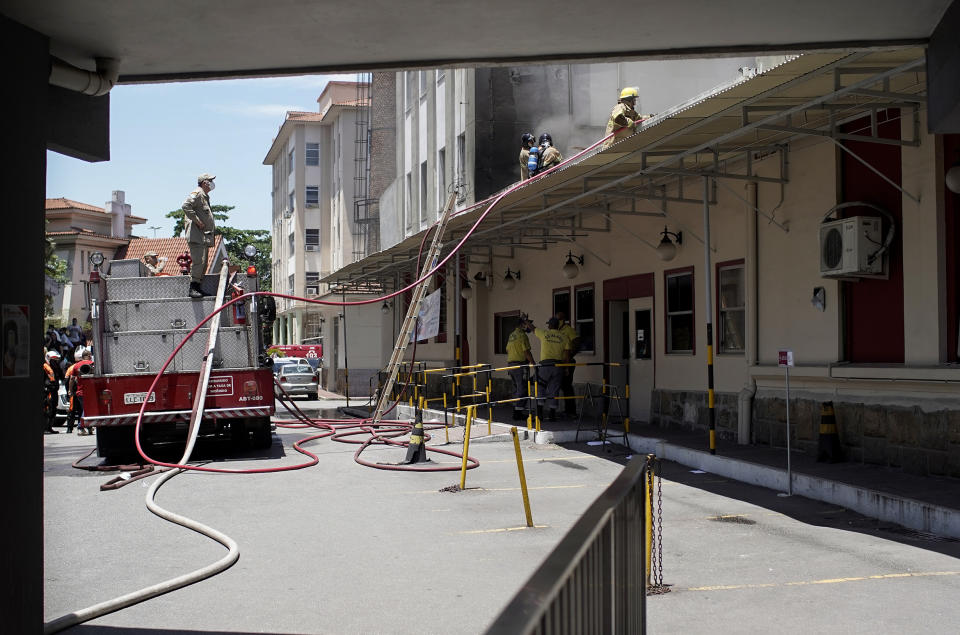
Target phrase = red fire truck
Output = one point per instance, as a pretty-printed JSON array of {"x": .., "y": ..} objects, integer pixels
[{"x": 138, "y": 321}]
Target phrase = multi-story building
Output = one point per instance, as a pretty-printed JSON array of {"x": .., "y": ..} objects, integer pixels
[
  {"x": 78, "y": 230},
  {"x": 315, "y": 192}
]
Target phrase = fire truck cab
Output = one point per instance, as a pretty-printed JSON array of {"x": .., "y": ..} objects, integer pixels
[{"x": 138, "y": 321}]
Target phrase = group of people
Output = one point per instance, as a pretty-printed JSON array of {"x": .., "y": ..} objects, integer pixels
[
  {"x": 539, "y": 155},
  {"x": 65, "y": 340},
  {"x": 59, "y": 369},
  {"x": 559, "y": 344}
]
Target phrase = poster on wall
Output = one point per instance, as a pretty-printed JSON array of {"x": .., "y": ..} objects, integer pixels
[
  {"x": 16, "y": 340},
  {"x": 428, "y": 324}
]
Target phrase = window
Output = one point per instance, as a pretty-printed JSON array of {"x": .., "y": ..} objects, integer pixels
[
  {"x": 423, "y": 83},
  {"x": 290, "y": 205},
  {"x": 731, "y": 307},
  {"x": 313, "y": 154},
  {"x": 423, "y": 192},
  {"x": 313, "y": 195},
  {"x": 290, "y": 280},
  {"x": 83, "y": 259},
  {"x": 312, "y": 239},
  {"x": 408, "y": 207},
  {"x": 410, "y": 96},
  {"x": 313, "y": 282},
  {"x": 679, "y": 306},
  {"x": 441, "y": 73},
  {"x": 441, "y": 178},
  {"x": 461, "y": 157},
  {"x": 561, "y": 302},
  {"x": 503, "y": 325},
  {"x": 290, "y": 160},
  {"x": 291, "y": 241},
  {"x": 585, "y": 322}
]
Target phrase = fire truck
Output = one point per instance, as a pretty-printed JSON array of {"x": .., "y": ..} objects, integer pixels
[{"x": 138, "y": 321}]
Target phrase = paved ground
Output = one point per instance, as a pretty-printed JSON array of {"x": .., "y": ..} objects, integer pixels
[{"x": 340, "y": 548}]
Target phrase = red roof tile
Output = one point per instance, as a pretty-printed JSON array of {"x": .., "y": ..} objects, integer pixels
[
  {"x": 66, "y": 203},
  {"x": 169, "y": 247}
]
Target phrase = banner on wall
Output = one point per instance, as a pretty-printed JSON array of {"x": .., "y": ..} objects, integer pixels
[
  {"x": 15, "y": 321},
  {"x": 428, "y": 324}
]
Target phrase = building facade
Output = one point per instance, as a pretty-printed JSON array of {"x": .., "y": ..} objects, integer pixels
[{"x": 78, "y": 230}]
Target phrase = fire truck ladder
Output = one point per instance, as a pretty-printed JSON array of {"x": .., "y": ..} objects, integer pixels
[{"x": 410, "y": 322}]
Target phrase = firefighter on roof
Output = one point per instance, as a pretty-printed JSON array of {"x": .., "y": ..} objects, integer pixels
[{"x": 624, "y": 118}]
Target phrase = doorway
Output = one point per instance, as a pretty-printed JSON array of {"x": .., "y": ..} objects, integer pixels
[
  {"x": 628, "y": 322},
  {"x": 640, "y": 363}
]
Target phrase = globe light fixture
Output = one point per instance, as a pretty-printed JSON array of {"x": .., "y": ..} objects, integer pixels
[
  {"x": 510, "y": 280},
  {"x": 667, "y": 249},
  {"x": 570, "y": 269}
]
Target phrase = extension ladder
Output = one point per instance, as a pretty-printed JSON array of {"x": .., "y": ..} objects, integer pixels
[{"x": 410, "y": 321}]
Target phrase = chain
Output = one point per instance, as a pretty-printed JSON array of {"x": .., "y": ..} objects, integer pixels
[{"x": 657, "y": 585}]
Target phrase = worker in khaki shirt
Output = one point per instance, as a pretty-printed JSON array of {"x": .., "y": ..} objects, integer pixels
[
  {"x": 199, "y": 230},
  {"x": 549, "y": 156},
  {"x": 518, "y": 354},
  {"x": 571, "y": 348},
  {"x": 624, "y": 119},
  {"x": 552, "y": 347}
]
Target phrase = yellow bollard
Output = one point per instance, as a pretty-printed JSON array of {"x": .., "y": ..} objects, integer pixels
[
  {"x": 626, "y": 420},
  {"x": 466, "y": 447},
  {"x": 648, "y": 501},
  {"x": 489, "y": 411},
  {"x": 523, "y": 477},
  {"x": 530, "y": 409}
]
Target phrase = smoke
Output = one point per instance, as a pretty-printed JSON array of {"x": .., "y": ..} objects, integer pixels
[{"x": 568, "y": 137}]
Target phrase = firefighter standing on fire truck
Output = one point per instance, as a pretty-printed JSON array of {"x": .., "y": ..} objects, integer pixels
[{"x": 199, "y": 230}]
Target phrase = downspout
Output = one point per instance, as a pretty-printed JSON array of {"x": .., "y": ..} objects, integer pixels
[
  {"x": 96, "y": 83},
  {"x": 745, "y": 398}
]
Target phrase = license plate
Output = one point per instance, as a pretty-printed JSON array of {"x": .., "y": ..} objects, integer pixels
[{"x": 138, "y": 397}]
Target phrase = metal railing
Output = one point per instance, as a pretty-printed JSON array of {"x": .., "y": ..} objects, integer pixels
[{"x": 594, "y": 581}]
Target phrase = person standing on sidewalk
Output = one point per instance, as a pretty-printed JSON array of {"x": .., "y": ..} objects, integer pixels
[
  {"x": 75, "y": 414},
  {"x": 552, "y": 345},
  {"x": 199, "y": 230},
  {"x": 518, "y": 353},
  {"x": 572, "y": 347},
  {"x": 51, "y": 386}
]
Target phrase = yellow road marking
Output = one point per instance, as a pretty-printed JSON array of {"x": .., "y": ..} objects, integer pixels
[
  {"x": 882, "y": 576},
  {"x": 496, "y": 531},
  {"x": 506, "y": 489}
]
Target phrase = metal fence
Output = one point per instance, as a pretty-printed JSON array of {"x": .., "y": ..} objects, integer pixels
[{"x": 593, "y": 582}]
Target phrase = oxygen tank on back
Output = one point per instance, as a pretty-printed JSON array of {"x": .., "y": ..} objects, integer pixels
[{"x": 533, "y": 161}]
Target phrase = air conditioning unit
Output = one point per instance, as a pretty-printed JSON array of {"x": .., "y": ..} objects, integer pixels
[
  {"x": 313, "y": 290},
  {"x": 851, "y": 247},
  {"x": 287, "y": 213},
  {"x": 313, "y": 247}
]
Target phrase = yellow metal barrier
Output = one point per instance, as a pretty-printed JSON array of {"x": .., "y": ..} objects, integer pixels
[
  {"x": 466, "y": 446},
  {"x": 523, "y": 478}
]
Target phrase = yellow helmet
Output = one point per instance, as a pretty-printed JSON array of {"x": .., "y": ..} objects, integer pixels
[{"x": 630, "y": 92}]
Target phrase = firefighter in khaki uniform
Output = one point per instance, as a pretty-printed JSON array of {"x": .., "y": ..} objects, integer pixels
[
  {"x": 624, "y": 119},
  {"x": 552, "y": 345},
  {"x": 518, "y": 352},
  {"x": 549, "y": 156},
  {"x": 527, "y": 141},
  {"x": 199, "y": 230}
]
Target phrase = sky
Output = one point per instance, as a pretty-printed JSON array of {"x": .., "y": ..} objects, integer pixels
[{"x": 162, "y": 136}]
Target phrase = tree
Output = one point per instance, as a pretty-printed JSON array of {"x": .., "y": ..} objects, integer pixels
[
  {"x": 220, "y": 213},
  {"x": 235, "y": 240},
  {"x": 55, "y": 269}
]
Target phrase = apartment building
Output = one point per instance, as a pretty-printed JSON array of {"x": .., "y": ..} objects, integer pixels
[{"x": 314, "y": 193}]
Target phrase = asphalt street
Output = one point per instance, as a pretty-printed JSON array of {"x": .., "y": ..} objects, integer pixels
[{"x": 342, "y": 548}]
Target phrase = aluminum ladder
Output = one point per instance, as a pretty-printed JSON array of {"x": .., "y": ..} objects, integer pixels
[{"x": 410, "y": 321}]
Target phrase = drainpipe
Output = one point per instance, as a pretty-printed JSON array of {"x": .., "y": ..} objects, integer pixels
[
  {"x": 745, "y": 398},
  {"x": 96, "y": 83}
]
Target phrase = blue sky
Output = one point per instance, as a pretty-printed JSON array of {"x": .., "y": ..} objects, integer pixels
[{"x": 163, "y": 135}]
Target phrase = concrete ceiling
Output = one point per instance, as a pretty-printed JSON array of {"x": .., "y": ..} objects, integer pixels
[{"x": 189, "y": 39}]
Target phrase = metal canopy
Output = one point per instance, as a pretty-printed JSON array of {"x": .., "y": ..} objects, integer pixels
[{"x": 720, "y": 135}]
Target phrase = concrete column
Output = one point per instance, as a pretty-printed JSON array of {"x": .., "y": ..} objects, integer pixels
[
  {"x": 23, "y": 128},
  {"x": 922, "y": 261}
]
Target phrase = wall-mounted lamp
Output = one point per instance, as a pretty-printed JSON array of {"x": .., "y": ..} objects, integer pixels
[
  {"x": 570, "y": 269},
  {"x": 484, "y": 278},
  {"x": 466, "y": 291},
  {"x": 385, "y": 308},
  {"x": 666, "y": 249},
  {"x": 508, "y": 280},
  {"x": 952, "y": 178}
]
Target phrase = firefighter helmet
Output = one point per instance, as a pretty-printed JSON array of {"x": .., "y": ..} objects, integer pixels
[
  {"x": 527, "y": 139},
  {"x": 545, "y": 139},
  {"x": 630, "y": 92}
]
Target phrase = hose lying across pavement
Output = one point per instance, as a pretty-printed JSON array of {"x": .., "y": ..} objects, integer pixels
[{"x": 337, "y": 429}]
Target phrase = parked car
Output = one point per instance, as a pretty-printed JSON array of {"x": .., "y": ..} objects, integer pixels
[{"x": 296, "y": 376}]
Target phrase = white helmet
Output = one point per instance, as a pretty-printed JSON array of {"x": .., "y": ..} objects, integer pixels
[
  {"x": 78, "y": 353},
  {"x": 52, "y": 355}
]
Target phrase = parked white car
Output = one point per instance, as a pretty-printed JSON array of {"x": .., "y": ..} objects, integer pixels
[{"x": 297, "y": 376}]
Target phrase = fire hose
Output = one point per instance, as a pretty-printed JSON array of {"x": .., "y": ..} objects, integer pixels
[{"x": 386, "y": 436}]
